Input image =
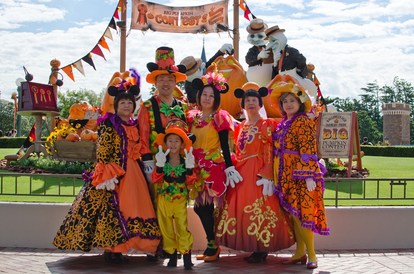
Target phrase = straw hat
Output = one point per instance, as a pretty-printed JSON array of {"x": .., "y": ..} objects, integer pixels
[
  {"x": 256, "y": 26},
  {"x": 273, "y": 30},
  {"x": 191, "y": 64}
]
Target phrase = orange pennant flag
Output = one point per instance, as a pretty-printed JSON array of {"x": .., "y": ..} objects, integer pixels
[
  {"x": 69, "y": 72},
  {"x": 97, "y": 50},
  {"x": 102, "y": 43}
]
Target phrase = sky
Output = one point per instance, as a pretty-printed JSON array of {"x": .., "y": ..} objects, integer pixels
[{"x": 351, "y": 43}]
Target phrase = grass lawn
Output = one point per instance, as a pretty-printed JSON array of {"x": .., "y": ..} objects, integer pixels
[{"x": 379, "y": 167}]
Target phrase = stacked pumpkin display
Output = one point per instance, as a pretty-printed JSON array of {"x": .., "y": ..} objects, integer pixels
[{"x": 74, "y": 138}]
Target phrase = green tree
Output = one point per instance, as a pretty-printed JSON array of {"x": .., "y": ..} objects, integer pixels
[
  {"x": 371, "y": 103},
  {"x": 6, "y": 115},
  {"x": 68, "y": 98}
]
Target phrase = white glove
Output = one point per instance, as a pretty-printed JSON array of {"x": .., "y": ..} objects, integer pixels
[
  {"x": 268, "y": 186},
  {"x": 108, "y": 184},
  {"x": 232, "y": 176},
  {"x": 322, "y": 162},
  {"x": 161, "y": 157},
  {"x": 310, "y": 183},
  {"x": 263, "y": 54},
  {"x": 149, "y": 166},
  {"x": 189, "y": 158},
  {"x": 226, "y": 48}
]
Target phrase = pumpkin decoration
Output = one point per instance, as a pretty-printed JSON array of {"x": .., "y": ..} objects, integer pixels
[
  {"x": 233, "y": 71},
  {"x": 82, "y": 115},
  {"x": 73, "y": 137},
  {"x": 89, "y": 135}
]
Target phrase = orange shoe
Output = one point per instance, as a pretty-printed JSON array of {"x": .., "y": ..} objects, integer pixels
[
  {"x": 301, "y": 260},
  {"x": 200, "y": 257},
  {"x": 214, "y": 257}
]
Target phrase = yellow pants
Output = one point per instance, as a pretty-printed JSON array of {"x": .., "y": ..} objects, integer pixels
[{"x": 172, "y": 214}]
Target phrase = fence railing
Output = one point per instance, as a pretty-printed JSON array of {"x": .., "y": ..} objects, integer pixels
[{"x": 338, "y": 191}]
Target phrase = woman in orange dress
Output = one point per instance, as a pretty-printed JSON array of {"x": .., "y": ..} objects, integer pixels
[
  {"x": 251, "y": 218},
  {"x": 212, "y": 127},
  {"x": 300, "y": 183},
  {"x": 113, "y": 210}
]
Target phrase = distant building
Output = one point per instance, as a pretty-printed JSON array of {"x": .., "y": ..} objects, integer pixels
[{"x": 396, "y": 123}]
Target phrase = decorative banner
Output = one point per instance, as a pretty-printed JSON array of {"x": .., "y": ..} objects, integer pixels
[
  {"x": 157, "y": 17},
  {"x": 97, "y": 48}
]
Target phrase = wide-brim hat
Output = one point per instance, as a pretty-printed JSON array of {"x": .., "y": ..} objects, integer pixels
[
  {"x": 295, "y": 89},
  {"x": 273, "y": 30},
  {"x": 256, "y": 26},
  {"x": 192, "y": 64},
  {"x": 178, "y": 127},
  {"x": 165, "y": 64}
]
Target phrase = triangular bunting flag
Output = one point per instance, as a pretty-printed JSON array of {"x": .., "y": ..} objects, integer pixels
[
  {"x": 69, "y": 72},
  {"x": 78, "y": 65},
  {"x": 97, "y": 50},
  {"x": 108, "y": 34},
  {"x": 102, "y": 43},
  {"x": 88, "y": 59},
  {"x": 112, "y": 24},
  {"x": 116, "y": 13}
]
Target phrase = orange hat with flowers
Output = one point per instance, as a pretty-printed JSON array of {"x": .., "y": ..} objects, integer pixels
[
  {"x": 290, "y": 85},
  {"x": 165, "y": 64},
  {"x": 178, "y": 127}
]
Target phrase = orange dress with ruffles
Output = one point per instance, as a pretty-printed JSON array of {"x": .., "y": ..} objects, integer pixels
[
  {"x": 248, "y": 220},
  {"x": 120, "y": 220}
]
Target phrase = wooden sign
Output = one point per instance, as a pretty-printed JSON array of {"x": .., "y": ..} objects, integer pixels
[
  {"x": 36, "y": 96},
  {"x": 338, "y": 137}
]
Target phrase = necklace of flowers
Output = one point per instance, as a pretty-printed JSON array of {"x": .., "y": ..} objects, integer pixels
[{"x": 200, "y": 122}]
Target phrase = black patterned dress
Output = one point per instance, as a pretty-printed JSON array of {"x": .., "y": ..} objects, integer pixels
[{"x": 120, "y": 220}]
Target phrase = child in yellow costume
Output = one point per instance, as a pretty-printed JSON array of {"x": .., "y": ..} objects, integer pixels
[
  {"x": 298, "y": 175},
  {"x": 172, "y": 174}
]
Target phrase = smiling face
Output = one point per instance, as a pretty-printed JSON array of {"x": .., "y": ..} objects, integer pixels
[
  {"x": 165, "y": 84},
  {"x": 174, "y": 143},
  {"x": 290, "y": 105},
  {"x": 207, "y": 99},
  {"x": 125, "y": 108}
]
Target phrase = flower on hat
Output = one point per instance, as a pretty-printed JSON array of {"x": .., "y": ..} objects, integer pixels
[{"x": 215, "y": 79}]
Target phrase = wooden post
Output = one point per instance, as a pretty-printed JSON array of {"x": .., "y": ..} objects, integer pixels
[
  {"x": 122, "y": 26},
  {"x": 236, "y": 34}
]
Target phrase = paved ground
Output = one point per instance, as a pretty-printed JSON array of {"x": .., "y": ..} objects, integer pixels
[{"x": 25, "y": 260}]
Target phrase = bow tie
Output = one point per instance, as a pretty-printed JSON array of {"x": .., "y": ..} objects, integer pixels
[
  {"x": 167, "y": 110},
  {"x": 176, "y": 171}
]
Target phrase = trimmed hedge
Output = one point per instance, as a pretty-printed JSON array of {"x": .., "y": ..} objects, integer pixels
[
  {"x": 13, "y": 142},
  {"x": 391, "y": 151}
]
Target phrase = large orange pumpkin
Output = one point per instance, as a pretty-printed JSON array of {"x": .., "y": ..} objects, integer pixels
[
  {"x": 235, "y": 76},
  {"x": 73, "y": 137}
]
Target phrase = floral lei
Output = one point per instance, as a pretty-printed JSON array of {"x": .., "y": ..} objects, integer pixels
[{"x": 199, "y": 122}]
